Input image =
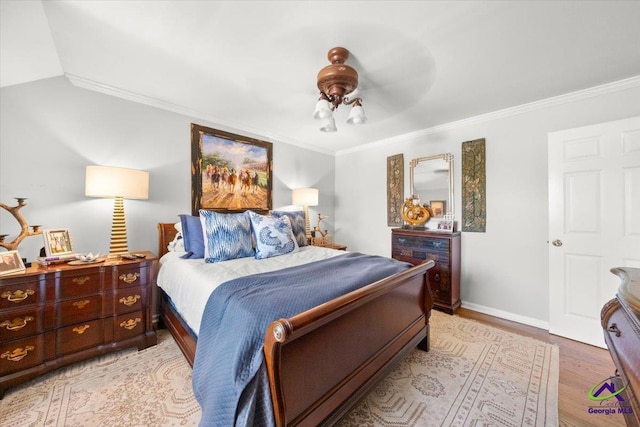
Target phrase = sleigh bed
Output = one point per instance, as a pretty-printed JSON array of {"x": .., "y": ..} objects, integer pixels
[{"x": 320, "y": 362}]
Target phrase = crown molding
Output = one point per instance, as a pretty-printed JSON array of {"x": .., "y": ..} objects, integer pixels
[
  {"x": 234, "y": 127},
  {"x": 616, "y": 86},
  {"x": 239, "y": 127}
]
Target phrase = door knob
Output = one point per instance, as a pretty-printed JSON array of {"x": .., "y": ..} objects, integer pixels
[{"x": 557, "y": 242}]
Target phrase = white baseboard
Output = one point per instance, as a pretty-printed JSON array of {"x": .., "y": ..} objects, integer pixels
[{"x": 506, "y": 315}]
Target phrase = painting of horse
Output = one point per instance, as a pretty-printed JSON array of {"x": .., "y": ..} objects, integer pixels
[{"x": 230, "y": 173}]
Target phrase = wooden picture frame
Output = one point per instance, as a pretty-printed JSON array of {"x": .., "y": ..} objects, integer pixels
[
  {"x": 10, "y": 262},
  {"x": 57, "y": 243},
  {"x": 438, "y": 207},
  {"x": 229, "y": 173}
]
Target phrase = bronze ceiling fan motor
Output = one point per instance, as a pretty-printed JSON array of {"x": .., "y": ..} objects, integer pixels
[{"x": 337, "y": 79}]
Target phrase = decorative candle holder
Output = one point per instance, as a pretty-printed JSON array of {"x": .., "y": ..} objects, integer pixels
[{"x": 24, "y": 232}]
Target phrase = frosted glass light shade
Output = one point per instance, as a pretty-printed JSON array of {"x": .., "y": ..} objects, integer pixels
[
  {"x": 328, "y": 125},
  {"x": 108, "y": 181},
  {"x": 323, "y": 109},
  {"x": 305, "y": 197},
  {"x": 356, "y": 115}
]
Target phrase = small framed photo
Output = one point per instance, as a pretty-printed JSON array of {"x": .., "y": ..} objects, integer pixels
[
  {"x": 446, "y": 225},
  {"x": 10, "y": 262},
  {"x": 57, "y": 243},
  {"x": 437, "y": 207}
]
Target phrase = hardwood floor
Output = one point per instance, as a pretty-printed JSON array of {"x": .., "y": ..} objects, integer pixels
[{"x": 581, "y": 367}]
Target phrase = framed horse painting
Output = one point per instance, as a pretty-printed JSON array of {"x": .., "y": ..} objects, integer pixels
[{"x": 229, "y": 173}]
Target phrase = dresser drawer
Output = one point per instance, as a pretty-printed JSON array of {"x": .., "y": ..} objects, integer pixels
[
  {"x": 625, "y": 343},
  {"x": 80, "y": 336},
  {"x": 128, "y": 326},
  {"x": 79, "y": 310},
  {"x": 78, "y": 283},
  {"x": 129, "y": 299},
  {"x": 20, "y": 323},
  {"x": 431, "y": 244},
  {"x": 135, "y": 275},
  {"x": 21, "y": 354},
  {"x": 20, "y": 294}
]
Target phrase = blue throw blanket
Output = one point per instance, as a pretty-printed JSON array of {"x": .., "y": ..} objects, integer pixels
[{"x": 229, "y": 375}]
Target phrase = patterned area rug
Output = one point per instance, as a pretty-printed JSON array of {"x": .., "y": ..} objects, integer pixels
[{"x": 473, "y": 375}]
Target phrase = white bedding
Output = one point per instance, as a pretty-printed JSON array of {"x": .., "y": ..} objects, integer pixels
[{"x": 189, "y": 282}]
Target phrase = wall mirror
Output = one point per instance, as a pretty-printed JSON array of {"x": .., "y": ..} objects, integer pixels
[{"x": 431, "y": 179}]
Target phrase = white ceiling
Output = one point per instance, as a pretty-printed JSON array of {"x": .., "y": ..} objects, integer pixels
[{"x": 252, "y": 65}]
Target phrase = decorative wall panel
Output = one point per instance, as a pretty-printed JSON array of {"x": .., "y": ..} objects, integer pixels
[
  {"x": 395, "y": 189},
  {"x": 474, "y": 186}
]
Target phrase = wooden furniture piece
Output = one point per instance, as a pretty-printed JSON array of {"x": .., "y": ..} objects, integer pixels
[
  {"x": 416, "y": 246},
  {"x": 56, "y": 315},
  {"x": 330, "y": 245},
  {"x": 621, "y": 324},
  {"x": 323, "y": 361}
]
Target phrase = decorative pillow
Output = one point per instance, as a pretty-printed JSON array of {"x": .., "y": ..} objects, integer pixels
[
  {"x": 192, "y": 236},
  {"x": 297, "y": 224},
  {"x": 227, "y": 236},
  {"x": 177, "y": 244},
  {"x": 273, "y": 236}
]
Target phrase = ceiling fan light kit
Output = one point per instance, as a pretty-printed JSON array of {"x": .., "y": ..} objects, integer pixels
[{"x": 336, "y": 82}]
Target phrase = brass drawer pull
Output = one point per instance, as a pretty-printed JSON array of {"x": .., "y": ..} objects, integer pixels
[
  {"x": 18, "y": 354},
  {"x": 129, "y": 277},
  {"x": 18, "y": 295},
  {"x": 80, "y": 329},
  {"x": 81, "y": 304},
  {"x": 614, "y": 329},
  {"x": 130, "y": 300},
  {"x": 131, "y": 323},
  {"x": 81, "y": 280},
  {"x": 16, "y": 324}
]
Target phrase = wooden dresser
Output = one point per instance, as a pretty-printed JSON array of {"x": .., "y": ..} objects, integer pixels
[
  {"x": 621, "y": 324},
  {"x": 57, "y": 315},
  {"x": 416, "y": 246}
]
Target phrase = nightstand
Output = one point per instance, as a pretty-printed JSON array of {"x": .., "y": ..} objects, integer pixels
[
  {"x": 333, "y": 246},
  {"x": 51, "y": 316},
  {"x": 324, "y": 243}
]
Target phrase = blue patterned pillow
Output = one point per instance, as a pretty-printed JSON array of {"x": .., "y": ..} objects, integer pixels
[
  {"x": 228, "y": 236},
  {"x": 273, "y": 236},
  {"x": 297, "y": 224}
]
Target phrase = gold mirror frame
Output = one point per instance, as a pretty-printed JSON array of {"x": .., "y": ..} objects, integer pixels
[{"x": 447, "y": 157}]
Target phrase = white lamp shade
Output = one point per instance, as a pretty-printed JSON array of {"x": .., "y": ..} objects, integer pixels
[
  {"x": 107, "y": 181},
  {"x": 323, "y": 109},
  {"x": 356, "y": 115},
  {"x": 328, "y": 125},
  {"x": 305, "y": 196}
]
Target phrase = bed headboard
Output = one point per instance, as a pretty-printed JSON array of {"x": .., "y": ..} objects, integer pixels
[{"x": 166, "y": 233}]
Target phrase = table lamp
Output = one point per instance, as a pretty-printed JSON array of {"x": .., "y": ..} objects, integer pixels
[
  {"x": 305, "y": 197},
  {"x": 117, "y": 183}
]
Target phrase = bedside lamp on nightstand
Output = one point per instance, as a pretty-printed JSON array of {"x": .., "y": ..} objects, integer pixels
[
  {"x": 117, "y": 183},
  {"x": 305, "y": 197}
]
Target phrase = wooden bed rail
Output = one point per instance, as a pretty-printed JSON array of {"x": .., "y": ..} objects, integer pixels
[{"x": 322, "y": 361}]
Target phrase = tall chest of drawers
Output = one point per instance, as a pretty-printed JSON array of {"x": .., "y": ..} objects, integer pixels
[
  {"x": 620, "y": 319},
  {"x": 61, "y": 314},
  {"x": 416, "y": 246}
]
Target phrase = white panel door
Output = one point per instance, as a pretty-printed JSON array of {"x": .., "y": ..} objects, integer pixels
[{"x": 594, "y": 222}]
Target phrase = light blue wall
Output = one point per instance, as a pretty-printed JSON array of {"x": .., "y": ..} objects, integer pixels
[
  {"x": 505, "y": 270},
  {"x": 51, "y": 130}
]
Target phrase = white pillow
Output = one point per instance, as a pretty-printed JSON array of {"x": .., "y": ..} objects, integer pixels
[
  {"x": 177, "y": 244},
  {"x": 273, "y": 236}
]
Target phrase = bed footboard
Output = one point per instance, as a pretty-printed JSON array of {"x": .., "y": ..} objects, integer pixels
[{"x": 322, "y": 361}]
